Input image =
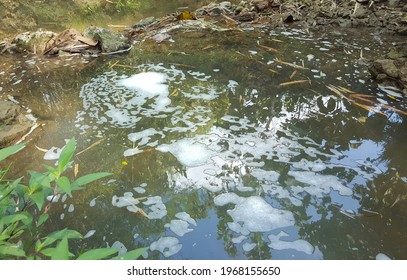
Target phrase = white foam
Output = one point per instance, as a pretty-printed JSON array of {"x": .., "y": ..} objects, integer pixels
[
  {"x": 227, "y": 198},
  {"x": 185, "y": 217},
  {"x": 257, "y": 215},
  {"x": 53, "y": 198},
  {"x": 139, "y": 190},
  {"x": 92, "y": 203},
  {"x": 148, "y": 82},
  {"x": 382, "y": 257},
  {"x": 281, "y": 193},
  {"x": 188, "y": 152},
  {"x": 233, "y": 226},
  {"x": 89, "y": 233},
  {"x": 156, "y": 206},
  {"x": 298, "y": 245},
  {"x": 239, "y": 239},
  {"x": 179, "y": 227},
  {"x": 123, "y": 201},
  {"x": 119, "y": 246},
  {"x": 132, "y": 152},
  {"x": 71, "y": 208},
  {"x": 53, "y": 153},
  {"x": 320, "y": 184},
  {"x": 168, "y": 246},
  {"x": 247, "y": 247}
]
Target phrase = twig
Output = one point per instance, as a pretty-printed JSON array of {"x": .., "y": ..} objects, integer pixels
[{"x": 91, "y": 146}]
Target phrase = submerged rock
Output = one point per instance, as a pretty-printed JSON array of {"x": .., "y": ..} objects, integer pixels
[
  {"x": 110, "y": 41},
  {"x": 13, "y": 123}
]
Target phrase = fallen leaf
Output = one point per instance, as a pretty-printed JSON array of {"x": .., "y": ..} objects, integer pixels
[{"x": 293, "y": 83}]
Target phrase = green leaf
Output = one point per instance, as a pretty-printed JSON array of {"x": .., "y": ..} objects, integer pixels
[
  {"x": 66, "y": 155},
  {"x": 6, "y": 152},
  {"x": 88, "y": 179},
  {"x": 57, "y": 235},
  {"x": 131, "y": 255},
  {"x": 65, "y": 233},
  {"x": 42, "y": 219},
  {"x": 13, "y": 218},
  {"x": 61, "y": 252},
  {"x": 98, "y": 254},
  {"x": 38, "y": 198},
  {"x": 38, "y": 180},
  {"x": 64, "y": 185},
  {"x": 11, "y": 250}
]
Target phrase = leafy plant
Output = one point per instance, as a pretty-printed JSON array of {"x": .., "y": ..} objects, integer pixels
[{"x": 24, "y": 213}]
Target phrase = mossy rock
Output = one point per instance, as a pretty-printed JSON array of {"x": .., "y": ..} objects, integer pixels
[{"x": 110, "y": 41}]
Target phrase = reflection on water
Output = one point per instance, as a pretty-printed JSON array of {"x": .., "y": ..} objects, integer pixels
[{"x": 215, "y": 159}]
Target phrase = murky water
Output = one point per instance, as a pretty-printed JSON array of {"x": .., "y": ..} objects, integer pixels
[{"x": 214, "y": 157}]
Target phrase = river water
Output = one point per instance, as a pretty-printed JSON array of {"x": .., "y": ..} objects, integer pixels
[{"x": 215, "y": 156}]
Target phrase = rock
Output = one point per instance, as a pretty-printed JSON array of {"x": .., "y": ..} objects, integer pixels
[
  {"x": 392, "y": 69},
  {"x": 144, "y": 23},
  {"x": 260, "y": 5},
  {"x": 13, "y": 123},
  {"x": 398, "y": 51},
  {"x": 33, "y": 42},
  {"x": 384, "y": 66},
  {"x": 110, "y": 41}
]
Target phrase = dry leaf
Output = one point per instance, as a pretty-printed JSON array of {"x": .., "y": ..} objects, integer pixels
[{"x": 293, "y": 83}]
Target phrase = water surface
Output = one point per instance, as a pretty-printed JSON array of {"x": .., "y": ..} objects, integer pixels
[{"x": 223, "y": 159}]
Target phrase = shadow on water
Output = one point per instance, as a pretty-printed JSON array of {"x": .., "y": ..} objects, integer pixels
[{"x": 219, "y": 158}]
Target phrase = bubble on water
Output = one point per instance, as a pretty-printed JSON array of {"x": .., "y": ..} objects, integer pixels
[
  {"x": 233, "y": 226},
  {"x": 206, "y": 92},
  {"x": 168, "y": 246},
  {"x": 310, "y": 57},
  {"x": 71, "y": 208},
  {"x": 144, "y": 136},
  {"x": 185, "y": 217},
  {"x": 132, "y": 152},
  {"x": 139, "y": 190},
  {"x": 239, "y": 239},
  {"x": 256, "y": 215},
  {"x": 156, "y": 207},
  {"x": 227, "y": 198},
  {"x": 298, "y": 245},
  {"x": 244, "y": 189},
  {"x": 247, "y": 247},
  {"x": 382, "y": 257},
  {"x": 281, "y": 193},
  {"x": 92, "y": 203},
  {"x": 119, "y": 246},
  {"x": 179, "y": 227},
  {"x": 53, "y": 153},
  {"x": 123, "y": 201},
  {"x": 188, "y": 152},
  {"x": 319, "y": 184},
  {"x": 265, "y": 175},
  {"x": 89, "y": 233},
  {"x": 147, "y": 82},
  {"x": 305, "y": 164},
  {"x": 53, "y": 198}
]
